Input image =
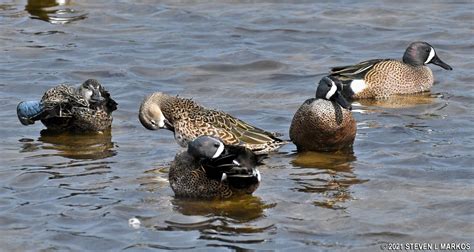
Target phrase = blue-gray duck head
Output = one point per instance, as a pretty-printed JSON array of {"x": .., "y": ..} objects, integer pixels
[
  {"x": 421, "y": 53},
  {"x": 329, "y": 88},
  {"x": 91, "y": 90},
  {"x": 205, "y": 147}
]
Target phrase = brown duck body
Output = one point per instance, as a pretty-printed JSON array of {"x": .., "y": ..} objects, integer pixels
[
  {"x": 189, "y": 120},
  {"x": 322, "y": 125},
  {"x": 384, "y": 78}
]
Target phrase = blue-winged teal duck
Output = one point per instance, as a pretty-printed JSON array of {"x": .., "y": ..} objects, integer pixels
[
  {"x": 65, "y": 108},
  {"x": 188, "y": 120},
  {"x": 210, "y": 169},
  {"x": 324, "y": 123},
  {"x": 381, "y": 78}
]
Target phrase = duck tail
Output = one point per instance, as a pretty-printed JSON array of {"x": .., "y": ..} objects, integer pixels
[{"x": 29, "y": 111}]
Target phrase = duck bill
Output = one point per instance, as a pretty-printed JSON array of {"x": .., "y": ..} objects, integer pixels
[
  {"x": 439, "y": 62},
  {"x": 342, "y": 101}
]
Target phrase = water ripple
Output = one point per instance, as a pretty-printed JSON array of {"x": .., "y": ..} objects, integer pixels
[{"x": 411, "y": 160}]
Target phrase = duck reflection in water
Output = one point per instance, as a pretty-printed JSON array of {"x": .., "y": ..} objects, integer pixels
[
  {"x": 53, "y": 11},
  {"x": 401, "y": 101},
  {"x": 328, "y": 175},
  {"x": 235, "y": 222},
  {"x": 239, "y": 217},
  {"x": 242, "y": 208},
  {"x": 73, "y": 146}
]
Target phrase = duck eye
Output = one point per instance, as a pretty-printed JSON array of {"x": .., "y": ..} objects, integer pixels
[
  {"x": 153, "y": 122},
  {"x": 428, "y": 50},
  {"x": 217, "y": 145}
]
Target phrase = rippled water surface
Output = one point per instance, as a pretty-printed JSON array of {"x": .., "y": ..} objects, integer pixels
[{"x": 409, "y": 178}]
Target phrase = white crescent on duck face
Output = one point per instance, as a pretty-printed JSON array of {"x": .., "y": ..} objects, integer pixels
[
  {"x": 188, "y": 120},
  {"x": 431, "y": 55},
  {"x": 331, "y": 92}
]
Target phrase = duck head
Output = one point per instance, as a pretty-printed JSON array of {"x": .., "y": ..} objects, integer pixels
[
  {"x": 91, "y": 90},
  {"x": 206, "y": 147},
  {"x": 151, "y": 115},
  {"x": 234, "y": 164},
  {"x": 421, "y": 53},
  {"x": 330, "y": 88}
]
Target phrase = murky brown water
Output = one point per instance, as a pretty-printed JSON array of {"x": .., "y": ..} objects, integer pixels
[{"x": 409, "y": 178}]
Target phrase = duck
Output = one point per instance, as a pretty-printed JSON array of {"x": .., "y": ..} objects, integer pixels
[
  {"x": 382, "y": 78},
  {"x": 209, "y": 169},
  {"x": 87, "y": 108},
  {"x": 324, "y": 123},
  {"x": 189, "y": 120}
]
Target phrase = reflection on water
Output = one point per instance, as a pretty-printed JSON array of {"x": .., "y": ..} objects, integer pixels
[
  {"x": 155, "y": 179},
  {"x": 232, "y": 223},
  {"x": 337, "y": 161},
  {"x": 227, "y": 221},
  {"x": 328, "y": 174},
  {"x": 401, "y": 101},
  {"x": 53, "y": 11},
  {"x": 73, "y": 146},
  {"x": 242, "y": 208},
  {"x": 257, "y": 62}
]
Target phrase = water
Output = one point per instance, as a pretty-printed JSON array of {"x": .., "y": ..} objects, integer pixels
[{"x": 409, "y": 178}]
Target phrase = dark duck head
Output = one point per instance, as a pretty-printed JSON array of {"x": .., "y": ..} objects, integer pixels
[
  {"x": 330, "y": 88},
  {"x": 96, "y": 96},
  {"x": 91, "y": 91},
  {"x": 421, "y": 53},
  {"x": 234, "y": 164}
]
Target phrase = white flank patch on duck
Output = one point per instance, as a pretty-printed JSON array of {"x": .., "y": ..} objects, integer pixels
[
  {"x": 236, "y": 162},
  {"x": 331, "y": 91},
  {"x": 258, "y": 176},
  {"x": 430, "y": 57},
  {"x": 357, "y": 86},
  {"x": 219, "y": 150}
]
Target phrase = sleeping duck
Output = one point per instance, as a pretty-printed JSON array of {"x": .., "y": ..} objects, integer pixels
[{"x": 65, "y": 108}]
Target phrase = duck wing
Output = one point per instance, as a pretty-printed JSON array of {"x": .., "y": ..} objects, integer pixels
[
  {"x": 352, "y": 72},
  {"x": 228, "y": 126}
]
